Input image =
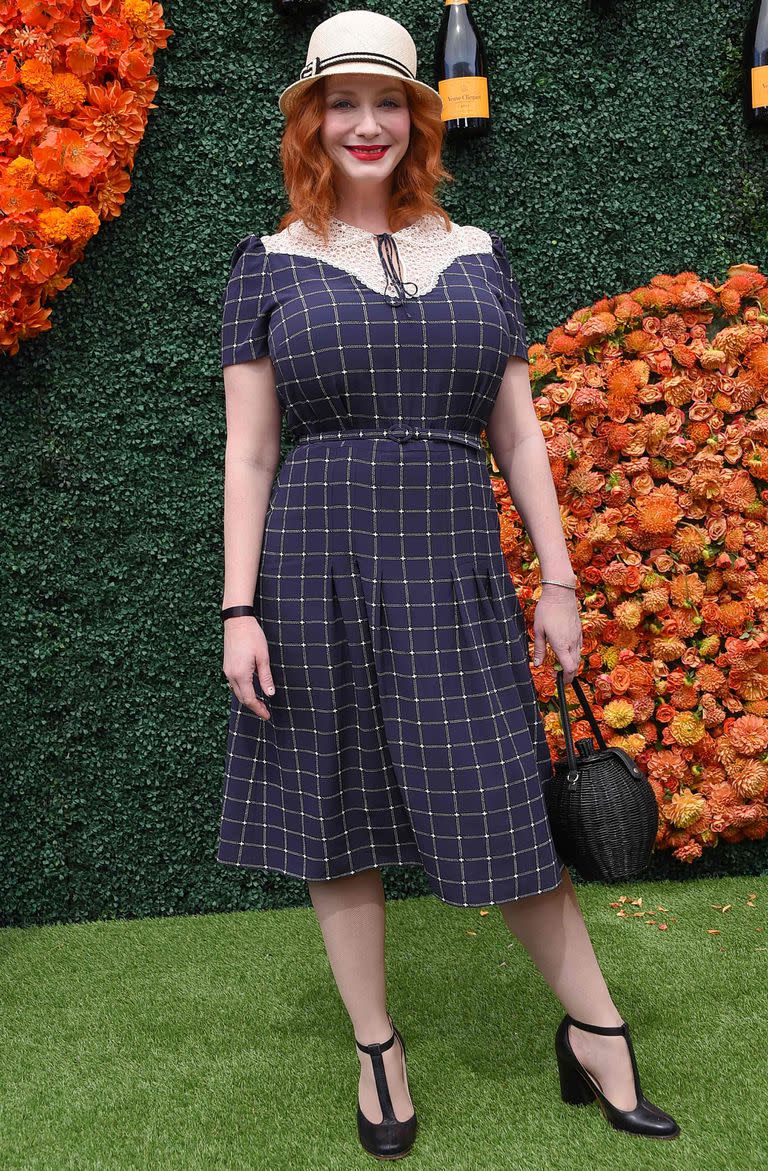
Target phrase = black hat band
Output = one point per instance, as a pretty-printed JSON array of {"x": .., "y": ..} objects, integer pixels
[{"x": 318, "y": 64}]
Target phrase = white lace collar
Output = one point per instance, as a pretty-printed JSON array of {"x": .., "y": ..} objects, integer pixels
[{"x": 424, "y": 250}]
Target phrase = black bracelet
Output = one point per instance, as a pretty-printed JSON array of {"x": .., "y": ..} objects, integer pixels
[{"x": 236, "y": 612}]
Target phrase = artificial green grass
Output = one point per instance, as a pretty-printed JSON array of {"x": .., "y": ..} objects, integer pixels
[{"x": 220, "y": 1043}]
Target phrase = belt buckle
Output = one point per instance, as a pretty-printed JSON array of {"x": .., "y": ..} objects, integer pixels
[{"x": 402, "y": 434}]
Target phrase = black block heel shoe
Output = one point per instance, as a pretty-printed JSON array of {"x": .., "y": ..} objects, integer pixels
[
  {"x": 390, "y": 1138},
  {"x": 579, "y": 1088}
]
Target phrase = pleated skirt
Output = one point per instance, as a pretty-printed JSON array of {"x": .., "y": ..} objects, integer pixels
[{"x": 405, "y": 728}]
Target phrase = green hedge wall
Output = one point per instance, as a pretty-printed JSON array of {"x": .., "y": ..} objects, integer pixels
[{"x": 618, "y": 151}]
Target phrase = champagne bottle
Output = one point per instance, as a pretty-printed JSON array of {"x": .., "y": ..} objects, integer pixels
[
  {"x": 755, "y": 67},
  {"x": 461, "y": 73}
]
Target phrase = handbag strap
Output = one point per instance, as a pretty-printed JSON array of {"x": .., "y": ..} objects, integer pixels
[{"x": 565, "y": 721}]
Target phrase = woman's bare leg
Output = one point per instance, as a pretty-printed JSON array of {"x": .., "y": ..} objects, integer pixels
[
  {"x": 352, "y": 916},
  {"x": 551, "y": 928}
]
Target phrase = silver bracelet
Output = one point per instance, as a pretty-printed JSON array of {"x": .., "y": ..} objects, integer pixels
[{"x": 565, "y": 585}]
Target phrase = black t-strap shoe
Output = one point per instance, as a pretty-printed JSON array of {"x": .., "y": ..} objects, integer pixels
[
  {"x": 579, "y": 1088},
  {"x": 390, "y": 1138}
]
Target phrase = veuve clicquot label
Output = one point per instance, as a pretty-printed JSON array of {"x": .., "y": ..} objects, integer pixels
[
  {"x": 759, "y": 86},
  {"x": 755, "y": 67},
  {"x": 461, "y": 74},
  {"x": 464, "y": 97}
]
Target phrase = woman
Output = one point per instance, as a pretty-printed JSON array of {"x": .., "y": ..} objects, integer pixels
[{"x": 397, "y": 721}]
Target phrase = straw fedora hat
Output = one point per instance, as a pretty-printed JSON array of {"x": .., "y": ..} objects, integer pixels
[{"x": 359, "y": 41}]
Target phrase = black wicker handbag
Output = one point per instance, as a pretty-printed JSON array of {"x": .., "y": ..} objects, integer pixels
[{"x": 602, "y": 809}]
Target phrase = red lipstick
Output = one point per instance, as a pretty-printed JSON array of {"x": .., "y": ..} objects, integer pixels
[{"x": 367, "y": 153}]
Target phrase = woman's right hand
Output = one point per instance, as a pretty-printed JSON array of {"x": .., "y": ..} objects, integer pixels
[{"x": 245, "y": 654}]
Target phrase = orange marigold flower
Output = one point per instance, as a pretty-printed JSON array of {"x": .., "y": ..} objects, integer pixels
[
  {"x": 667, "y": 648},
  {"x": 52, "y": 225},
  {"x": 618, "y": 713},
  {"x": 136, "y": 11},
  {"x": 684, "y": 808},
  {"x": 712, "y": 359},
  {"x": 561, "y": 343},
  {"x": 634, "y": 743},
  {"x": 684, "y": 355},
  {"x": 712, "y": 712},
  {"x": 552, "y": 724},
  {"x": 658, "y": 513},
  {"x": 20, "y": 171},
  {"x": 709, "y": 645},
  {"x": 628, "y": 614},
  {"x": 734, "y": 542},
  {"x": 686, "y": 728},
  {"x": 65, "y": 91},
  {"x": 699, "y": 433},
  {"x": 684, "y": 697},
  {"x": 82, "y": 223},
  {"x": 689, "y": 851},
  {"x": 749, "y": 735},
  {"x": 746, "y": 394},
  {"x": 666, "y": 766},
  {"x": 757, "y": 361},
  {"x": 687, "y": 590},
  {"x": 723, "y": 795},
  {"x": 644, "y": 705},
  {"x": 35, "y": 75},
  {"x": 751, "y": 780},
  {"x": 618, "y": 436},
  {"x": 711, "y": 678},
  {"x": 596, "y": 328},
  {"x": 739, "y": 491},
  {"x": 654, "y": 600},
  {"x": 621, "y": 378},
  {"x": 742, "y": 815},
  {"x": 732, "y": 339}
]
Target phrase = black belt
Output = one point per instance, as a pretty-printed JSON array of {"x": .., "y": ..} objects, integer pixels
[{"x": 399, "y": 432}]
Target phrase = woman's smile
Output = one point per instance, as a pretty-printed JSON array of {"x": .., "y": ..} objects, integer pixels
[{"x": 368, "y": 153}]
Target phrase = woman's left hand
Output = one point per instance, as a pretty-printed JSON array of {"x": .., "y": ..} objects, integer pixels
[{"x": 557, "y": 620}]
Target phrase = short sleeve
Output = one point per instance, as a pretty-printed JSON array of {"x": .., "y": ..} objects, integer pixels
[
  {"x": 510, "y": 299},
  {"x": 246, "y": 304}
]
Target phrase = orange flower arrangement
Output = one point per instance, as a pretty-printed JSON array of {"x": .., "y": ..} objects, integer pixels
[
  {"x": 75, "y": 89},
  {"x": 654, "y": 407}
]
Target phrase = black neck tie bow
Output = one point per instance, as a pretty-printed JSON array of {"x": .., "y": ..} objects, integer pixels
[{"x": 389, "y": 257}]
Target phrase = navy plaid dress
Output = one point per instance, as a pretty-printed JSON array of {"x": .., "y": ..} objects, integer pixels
[{"x": 405, "y": 726}]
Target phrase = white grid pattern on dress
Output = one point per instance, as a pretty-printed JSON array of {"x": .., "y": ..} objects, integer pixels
[{"x": 405, "y": 727}]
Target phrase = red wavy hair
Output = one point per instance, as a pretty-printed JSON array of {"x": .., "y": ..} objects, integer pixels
[{"x": 308, "y": 170}]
